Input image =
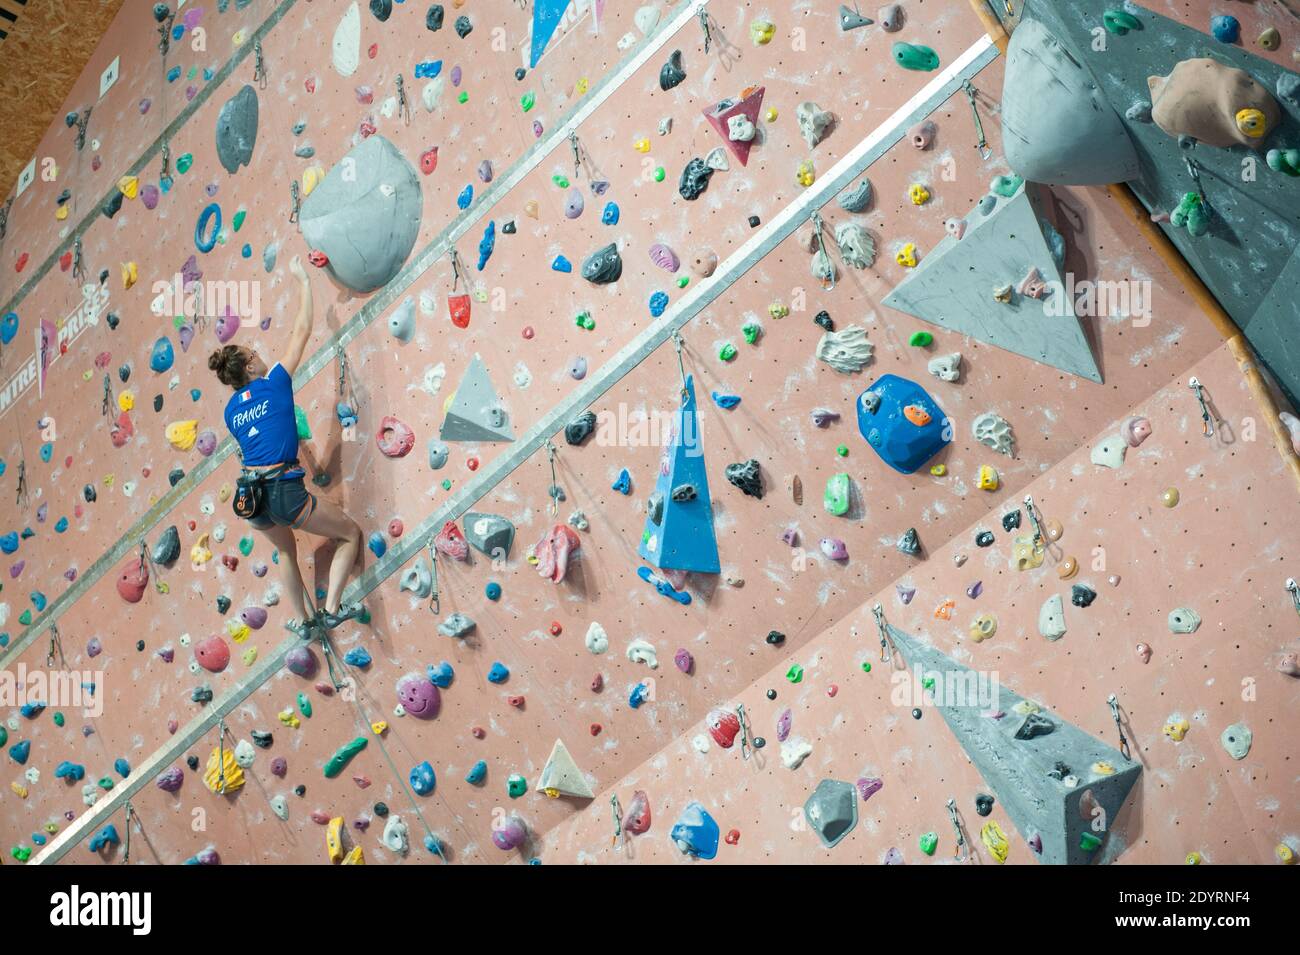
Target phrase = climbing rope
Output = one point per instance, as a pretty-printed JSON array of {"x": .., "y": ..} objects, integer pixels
[
  {"x": 146, "y": 559},
  {"x": 1039, "y": 537},
  {"x": 616, "y": 811},
  {"x": 403, "y": 106},
  {"x": 221, "y": 757},
  {"x": 259, "y": 66},
  {"x": 746, "y": 748},
  {"x": 126, "y": 846},
  {"x": 820, "y": 228},
  {"x": 678, "y": 344},
  {"x": 435, "y": 599},
  {"x": 294, "y": 201},
  {"x": 456, "y": 271}
]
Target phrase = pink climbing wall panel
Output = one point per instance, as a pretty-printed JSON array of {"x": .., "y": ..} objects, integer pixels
[{"x": 1055, "y": 418}]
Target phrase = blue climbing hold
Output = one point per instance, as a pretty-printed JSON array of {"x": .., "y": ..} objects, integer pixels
[
  {"x": 610, "y": 215},
  {"x": 107, "y": 837},
  {"x": 422, "y": 779},
  {"x": 347, "y": 416},
  {"x": 725, "y": 402},
  {"x": 378, "y": 546},
  {"x": 498, "y": 674},
  {"x": 122, "y": 767},
  {"x": 428, "y": 70},
  {"x": 492, "y": 591},
  {"x": 19, "y": 751},
  {"x": 195, "y": 394},
  {"x": 658, "y": 302},
  {"x": 8, "y": 327},
  {"x": 487, "y": 244},
  {"x": 39, "y": 838},
  {"x": 561, "y": 264},
  {"x": 434, "y": 845},
  {"x": 173, "y": 74},
  {"x": 38, "y": 600},
  {"x": 9, "y": 542},
  {"x": 1226, "y": 29},
  {"x": 28, "y": 532},
  {"x": 466, "y": 196},
  {"x": 47, "y": 451},
  {"x": 440, "y": 675},
  {"x": 902, "y": 423},
  {"x": 204, "y": 239},
  {"x": 32, "y": 710},
  {"x": 163, "y": 355},
  {"x": 357, "y": 657},
  {"x": 74, "y": 772},
  {"x": 640, "y": 693},
  {"x": 624, "y": 483},
  {"x": 60, "y": 525},
  {"x": 696, "y": 832},
  {"x": 546, "y": 18},
  {"x": 246, "y": 251},
  {"x": 477, "y": 773}
]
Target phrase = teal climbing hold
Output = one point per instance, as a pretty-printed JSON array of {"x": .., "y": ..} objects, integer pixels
[{"x": 912, "y": 56}]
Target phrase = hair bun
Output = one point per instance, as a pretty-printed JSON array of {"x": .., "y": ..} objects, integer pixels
[{"x": 216, "y": 360}]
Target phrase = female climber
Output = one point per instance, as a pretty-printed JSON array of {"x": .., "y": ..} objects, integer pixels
[{"x": 260, "y": 414}]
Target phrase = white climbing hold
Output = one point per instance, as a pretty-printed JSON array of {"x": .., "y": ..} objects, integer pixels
[
  {"x": 347, "y": 42},
  {"x": 846, "y": 350},
  {"x": 946, "y": 367},
  {"x": 431, "y": 94},
  {"x": 1051, "y": 618},
  {"x": 716, "y": 159},
  {"x": 857, "y": 246},
  {"x": 700, "y": 743},
  {"x": 642, "y": 651},
  {"x": 397, "y": 837},
  {"x": 244, "y": 753},
  {"x": 646, "y": 19},
  {"x": 561, "y": 775},
  {"x": 795, "y": 751},
  {"x": 597, "y": 639},
  {"x": 1184, "y": 620},
  {"x": 814, "y": 122},
  {"x": 1109, "y": 452},
  {"x": 994, "y": 432}
]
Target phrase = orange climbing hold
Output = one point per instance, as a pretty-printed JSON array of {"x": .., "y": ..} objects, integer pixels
[{"x": 917, "y": 415}]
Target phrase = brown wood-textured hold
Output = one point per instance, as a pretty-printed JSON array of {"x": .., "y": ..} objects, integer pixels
[
  {"x": 796, "y": 489},
  {"x": 48, "y": 46}
]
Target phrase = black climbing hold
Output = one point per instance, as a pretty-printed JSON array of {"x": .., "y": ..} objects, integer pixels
[
  {"x": 984, "y": 539},
  {"x": 1060, "y": 770},
  {"x": 192, "y": 762},
  {"x": 463, "y": 27},
  {"x": 684, "y": 492},
  {"x": 603, "y": 266},
  {"x": 223, "y": 603},
  {"x": 1035, "y": 724},
  {"x": 759, "y": 742},
  {"x": 382, "y": 9},
  {"x": 88, "y": 492},
  {"x": 520, "y": 73},
  {"x": 1011, "y": 520},
  {"x": 745, "y": 475},
  {"x": 771, "y": 694},
  {"x": 124, "y": 372},
  {"x": 139, "y": 645},
  {"x": 321, "y": 479},
  {"x": 775, "y": 637},
  {"x": 916, "y": 713},
  {"x": 64, "y": 196},
  {"x": 70, "y": 120},
  {"x": 114, "y": 204},
  {"x": 580, "y": 428},
  {"x": 201, "y": 694},
  {"x": 672, "y": 72},
  {"x": 433, "y": 19},
  {"x": 1081, "y": 595},
  {"x": 161, "y": 12},
  {"x": 113, "y": 320},
  {"x": 103, "y": 276},
  {"x": 168, "y": 547},
  {"x": 909, "y": 543},
  {"x": 823, "y": 318},
  {"x": 755, "y": 222},
  {"x": 262, "y": 738},
  {"x": 508, "y": 227},
  {"x": 983, "y": 803},
  {"x": 381, "y": 809},
  {"x": 300, "y": 790},
  {"x": 157, "y": 402},
  {"x": 654, "y": 508},
  {"x": 695, "y": 179},
  {"x": 556, "y": 492}
]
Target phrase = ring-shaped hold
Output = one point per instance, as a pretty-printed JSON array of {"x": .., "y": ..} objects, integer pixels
[{"x": 209, "y": 212}]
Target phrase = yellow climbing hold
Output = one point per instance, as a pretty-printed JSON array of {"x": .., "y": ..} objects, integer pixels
[
  {"x": 238, "y": 630},
  {"x": 906, "y": 256},
  {"x": 1025, "y": 555},
  {"x": 642, "y": 145},
  {"x": 983, "y": 627},
  {"x": 1103, "y": 769},
  {"x": 1176, "y": 729},
  {"x": 126, "y": 400},
  {"x": 334, "y": 839},
  {"x": 311, "y": 178},
  {"x": 1193, "y": 858},
  {"x": 761, "y": 32},
  {"x": 582, "y": 86},
  {"x": 19, "y": 789},
  {"x": 1285, "y": 854},
  {"x": 130, "y": 274},
  {"x": 778, "y": 310},
  {"x": 1252, "y": 123},
  {"x": 918, "y": 194},
  {"x": 939, "y": 470},
  {"x": 223, "y": 494},
  {"x": 530, "y": 208},
  {"x": 988, "y": 478},
  {"x": 181, "y": 434},
  {"x": 770, "y": 114},
  {"x": 200, "y": 552},
  {"x": 355, "y": 857},
  {"x": 61, "y": 213},
  {"x": 995, "y": 840},
  {"x": 250, "y": 656},
  {"x": 223, "y": 774},
  {"x": 129, "y": 186},
  {"x": 379, "y": 727},
  {"x": 805, "y": 175},
  {"x": 289, "y": 718},
  {"x": 238, "y": 38}
]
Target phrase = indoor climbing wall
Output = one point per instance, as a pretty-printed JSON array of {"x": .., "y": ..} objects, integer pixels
[{"x": 785, "y": 221}]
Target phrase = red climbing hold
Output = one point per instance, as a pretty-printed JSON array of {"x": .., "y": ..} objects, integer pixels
[
  {"x": 472, "y": 463},
  {"x": 458, "y": 306},
  {"x": 132, "y": 580},
  {"x": 733, "y": 836},
  {"x": 595, "y": 729},
  {"x": 212, "y": 654},
  {"x": 451, "y": 542},
  {"x": 478, "y": 732},
  {"x": 22, "y": 262},
  {"x": 429, "y": 160},
  {"x": 373, "y": 51},
  {"x": 597, "y": 683},
  {"x": 65, "y": 261},
  {"x": 230, "y": 562},
  {"x": 723, "y": 727},
  {"x": 556, "y": 629},
  {"x": 516, "y": 701},
  {"x": 318, "y": 258},
  {"x": 310, "y": 84}
]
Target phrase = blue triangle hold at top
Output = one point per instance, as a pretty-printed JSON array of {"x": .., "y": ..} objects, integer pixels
[
  {"x": 546, "y": 17},
  {"x": 679, "y": 524}
]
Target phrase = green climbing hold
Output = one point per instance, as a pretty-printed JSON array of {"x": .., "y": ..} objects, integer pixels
[
  {"x": 4, "y": 736},
  {"x": 928, "y": 682},
  {"x": 528, "y": 101},
  {"x": 1006, "y": 186},
  {"x": 842, "y": 450},
  {"x": 194, "y": 71},
  {"x": 1088, "y": 842},
  {"x": 1120, "y": 22},
  {"x": 245, "y": 545},
  {"x": 304, "y": 705},
  {"x": 105, "y": 783},
  {"x": 727, "y": 352},
  {"x": 25, "y": 617},
  {"x": 238, "y": 221},
  {"x": 1284, "y": 161},
  {"x": 929, "y": 841},
  {"x": 21, "y": 853},
  {"x": 340, "y": 760},
  {"x": 660, "y": 174},
  {"x": 561, "y": 181},
  {"x": 921, "y": 339},
  {"x": 794, "y": 674},
  {"x": 584, "y": 320},
  {"x": 184, "y": 162},
  {"x": 1192, "y": 214},
  {"x": 300, "y": 418},
  {"x": 836, "y": 497},
  {"x": 516, "y": 785},
  {"x": 683, "y": 282},
  {"x": 363, "y": 618},
  {"x": 59, "y": 720},
  {"x": 751, "y": 331},
  {"x": 446, "y": 484},
  {"x": 463, "y": 97},
  {"x": 866, "y": 666},
  {"x": 912, "y": 56}
]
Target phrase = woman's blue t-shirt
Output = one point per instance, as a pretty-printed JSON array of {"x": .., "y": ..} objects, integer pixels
[{"x": 262, "y": 420}]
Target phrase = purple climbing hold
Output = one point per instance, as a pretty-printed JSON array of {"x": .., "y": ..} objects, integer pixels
[
  {"x": 905, "y": 593},
  {"x": 783, "y": 724},
  {"x": 834, "y": 548},
  {"x": 868, "y": 786},
  {"x": 975, "y": 589},
  {"x": 574, "y": 205},
  {"x": 300, "y": 661},
  {"x": 279, "y": 767},
  {"x": 93, "y": 647},
  {"x": 511, "y": 834},
  {"x": 255, "y": 617},
  {"x": 170, "y": 779},
  {"x": 683, "y": 660}
]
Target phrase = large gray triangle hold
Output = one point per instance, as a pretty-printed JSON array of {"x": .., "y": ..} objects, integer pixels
[
  {"x": 1049, "y": 775},
  {"x": 953, "y": 287},
  {"x": 476, "y": 413}
]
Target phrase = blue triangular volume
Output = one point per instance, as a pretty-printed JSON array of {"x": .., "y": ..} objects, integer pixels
[
  {"x": 546, "y": 17},
  {"x": 679, "y": 533}
]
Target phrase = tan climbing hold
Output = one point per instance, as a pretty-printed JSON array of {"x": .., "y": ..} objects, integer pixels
[{"x": 1202, "y": 98}]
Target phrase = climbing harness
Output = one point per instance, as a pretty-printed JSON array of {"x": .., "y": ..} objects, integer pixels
[
  {"x": 1199, "y": 390},
  {"x": 1294, "y": 589},
  {"x": 820, "y": 228},
  {"x": 1119, "y": 727},
  {"x": 886, "y": 655},
  {"x": 403, "y": 106},
  {"x": 981, "y": 143},
  {"x": 960, "y": 852}
]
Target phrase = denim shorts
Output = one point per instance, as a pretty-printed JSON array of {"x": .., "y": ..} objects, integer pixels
[{"x": 285, "y": 502}]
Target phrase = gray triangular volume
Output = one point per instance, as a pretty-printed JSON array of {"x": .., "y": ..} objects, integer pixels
[
  {"x": 561, "y": 775},
  {"x": 953, "y": 287},
  {"x": 1022, "y": 754},
  {"x": 476, "y": 413}
]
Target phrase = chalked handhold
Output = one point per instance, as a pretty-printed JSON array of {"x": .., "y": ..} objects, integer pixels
[
  {"x": 603, "y": 266},
  {"x": 746, "y": 476},
  {"x": 695, "y": 179},
  {"x": 672, "y": 72},
  {"x": 580, "y": 428}
]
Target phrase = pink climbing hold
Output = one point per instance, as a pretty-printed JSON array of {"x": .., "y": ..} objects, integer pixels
[
  {"x": 1135, "y": 431},
  {"x": 394, "y": 438},
  {"x": 637, "y": 819},
  {"x": 553, "y": 552},
  {"x": 683, "y": 660},
  {"x": 783, "y": 724},
  {"x": 834, "y": 548},
  {"x": 418, "y": 696},
  {"x": 511, "y": 834},
  {"x": 396, "y": 527},
  {"x": 451, "y": 542}
]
